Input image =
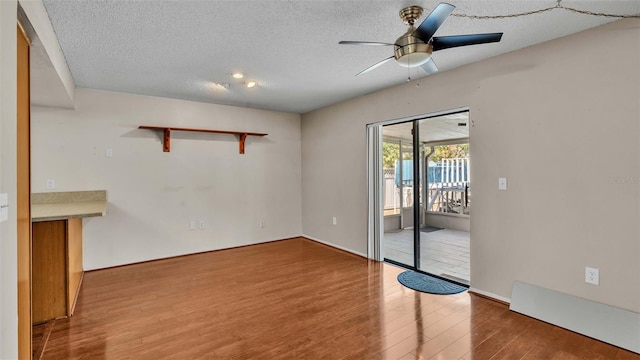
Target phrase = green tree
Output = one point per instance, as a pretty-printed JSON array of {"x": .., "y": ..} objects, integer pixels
[
  {"x": 391, "y": 153},
  {"x": 450, "y": 151}
]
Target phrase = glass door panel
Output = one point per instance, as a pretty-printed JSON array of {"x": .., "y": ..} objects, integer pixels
[
  {"x": 444, "y": 197},
  {"x": 398, "y": 193}
]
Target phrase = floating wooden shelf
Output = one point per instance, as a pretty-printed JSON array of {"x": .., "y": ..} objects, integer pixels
[{"x": 166, "y": 143}]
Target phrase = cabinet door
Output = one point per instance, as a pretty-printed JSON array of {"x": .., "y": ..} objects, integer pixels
[{"x": 49, "y": 270}]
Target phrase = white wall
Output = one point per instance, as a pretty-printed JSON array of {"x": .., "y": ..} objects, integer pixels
[
  {"x": 51, "y": 80},
  {"x": 8, "y": 229},
  {"x": 560, "y": 120},
  {"x": 152, "y": 195}
]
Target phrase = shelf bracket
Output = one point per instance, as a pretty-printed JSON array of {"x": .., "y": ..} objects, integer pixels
[
  {"x": 166, "y": 142},
  {"x": 242, "y": 137}
]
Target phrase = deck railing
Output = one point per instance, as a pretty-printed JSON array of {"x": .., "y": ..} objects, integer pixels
[{"x": 448, "y": 186}]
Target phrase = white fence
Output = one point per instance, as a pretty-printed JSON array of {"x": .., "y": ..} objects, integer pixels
[{"x": 391, "y": 192}]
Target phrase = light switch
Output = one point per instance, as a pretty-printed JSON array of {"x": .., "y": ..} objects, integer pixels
[{"x": 502, "y": 183}]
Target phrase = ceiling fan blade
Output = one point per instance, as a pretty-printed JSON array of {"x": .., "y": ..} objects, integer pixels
[
  {"x": 445, "y": 42},
  {"x": 429, "y": 67},
  {"x": 431, "y": 24},
  {"x": 374, "y": 66},
  {"x": 371, "y": 43}
]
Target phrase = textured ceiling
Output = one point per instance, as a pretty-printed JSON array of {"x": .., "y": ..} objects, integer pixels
[{"x": 177, "y": 49}]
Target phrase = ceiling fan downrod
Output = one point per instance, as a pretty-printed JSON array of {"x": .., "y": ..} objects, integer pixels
[{"x": 410, "y": 14}]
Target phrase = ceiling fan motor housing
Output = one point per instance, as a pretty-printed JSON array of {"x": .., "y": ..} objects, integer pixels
[{"x": 410, "y": 51}]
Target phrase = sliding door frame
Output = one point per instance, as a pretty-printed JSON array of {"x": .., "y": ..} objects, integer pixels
[
  {"x": 416, "y": 193},
  {"x": 375, "y": 218}
]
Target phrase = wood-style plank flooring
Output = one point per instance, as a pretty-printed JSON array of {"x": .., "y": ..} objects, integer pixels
[{"x": 294, "y": 299}]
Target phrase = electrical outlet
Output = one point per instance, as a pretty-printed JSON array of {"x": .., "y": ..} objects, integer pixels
[
  {"x": 192, "y": 225},
  {"x": 262, "y": 224},
  {"x": 591, "y": 276},
  {"x": 502, "y": 183},
  {"x": 201, "y": 225},
  {"x": 51, "y": 184},
  {"x": 335, "y": 221},
  {"x": 108, "y": 152}
]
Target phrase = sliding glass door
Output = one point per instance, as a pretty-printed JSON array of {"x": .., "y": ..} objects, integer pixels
[{"x": 425, "y": 195}]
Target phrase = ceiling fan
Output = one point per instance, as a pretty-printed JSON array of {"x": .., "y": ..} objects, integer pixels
[{"x": 414, "y": 47}]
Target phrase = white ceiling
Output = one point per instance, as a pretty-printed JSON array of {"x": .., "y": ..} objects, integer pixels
[
  {"x": 434, "y": 129},
  {"x": 177, "y": 49}
]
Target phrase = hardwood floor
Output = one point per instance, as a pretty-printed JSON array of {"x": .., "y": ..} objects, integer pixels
[
  {"x": 294, "y": 299},
  {"x": 40, "y": 335}
]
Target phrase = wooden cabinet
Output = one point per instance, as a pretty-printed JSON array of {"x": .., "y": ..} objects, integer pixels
[{"x": 56, "y": 268}]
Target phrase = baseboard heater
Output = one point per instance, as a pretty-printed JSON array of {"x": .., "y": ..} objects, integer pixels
[{"x": 606, "y": 323}]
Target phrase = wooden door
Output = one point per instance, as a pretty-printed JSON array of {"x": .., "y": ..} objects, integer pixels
[{"x": 23, "y": 198}]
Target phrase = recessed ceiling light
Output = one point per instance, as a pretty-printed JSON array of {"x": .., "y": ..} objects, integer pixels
[
  {"x": 251, "y": 84},
  {"x": 220, "y": 85},
  {"x": 237, "y": 75}
]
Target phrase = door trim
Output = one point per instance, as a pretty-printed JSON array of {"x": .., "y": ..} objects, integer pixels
[{"x": 23, "y": 193}]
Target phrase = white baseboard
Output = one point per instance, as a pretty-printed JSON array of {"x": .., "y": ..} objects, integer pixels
[
  {"x": 490, "y": 295},
  {"x": 610, "y": 324},
  {"x": 336, "y": 246}
]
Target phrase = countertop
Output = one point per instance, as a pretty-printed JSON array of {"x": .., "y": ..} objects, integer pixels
[{"x": 68, "y": 205}]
